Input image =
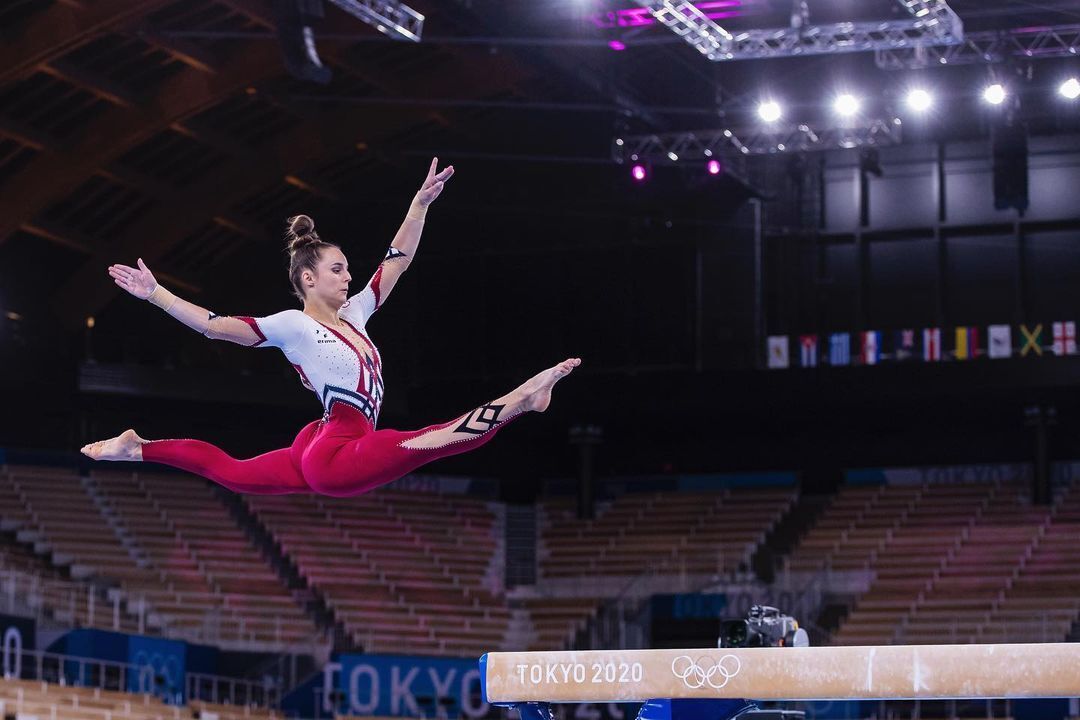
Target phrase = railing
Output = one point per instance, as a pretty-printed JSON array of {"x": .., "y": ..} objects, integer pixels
[
  {"x": 54, "y": 602},
  {"x": 154, "y": 679},
  {"x": 49, "y": 600},
  {"x": 232, "y": 691}
]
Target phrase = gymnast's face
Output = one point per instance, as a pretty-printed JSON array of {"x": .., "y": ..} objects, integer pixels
[{"x": 330, "y": 282}]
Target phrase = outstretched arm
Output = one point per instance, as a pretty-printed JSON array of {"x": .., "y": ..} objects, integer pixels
[
  {"x": 140, "y": 282},
  {"x": 405, "y": 243}
]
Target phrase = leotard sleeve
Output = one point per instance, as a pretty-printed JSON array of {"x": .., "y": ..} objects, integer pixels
[
  {"x": 282, "y": 330},
  {"x": 363, "y": 305},
  {"x": 360, "y": 307}
]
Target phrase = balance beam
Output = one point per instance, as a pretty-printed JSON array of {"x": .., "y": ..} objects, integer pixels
[{"x": 890, "y": 672}]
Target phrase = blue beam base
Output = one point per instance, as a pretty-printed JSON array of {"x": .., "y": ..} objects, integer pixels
[
  {"x": 663, "y": 709},
  {"x": 655, "y": 710},
  {"x": 534, "y": 711}
]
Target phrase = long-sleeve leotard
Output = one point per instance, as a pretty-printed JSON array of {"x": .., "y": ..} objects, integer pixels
[{"x": 329, "y": 363}]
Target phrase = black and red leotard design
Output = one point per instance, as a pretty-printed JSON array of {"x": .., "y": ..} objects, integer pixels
[{"x": 342, "y": 454}]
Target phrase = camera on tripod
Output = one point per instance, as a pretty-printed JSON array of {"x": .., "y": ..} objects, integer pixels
[{"x": 763, "y": 627}]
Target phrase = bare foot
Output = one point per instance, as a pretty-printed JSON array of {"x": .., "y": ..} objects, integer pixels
[
  {"x": 125, "y": 446},
  {"x": 535, "y": 393}
]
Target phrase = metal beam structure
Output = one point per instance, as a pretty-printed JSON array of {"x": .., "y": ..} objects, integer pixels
[
  {"x": 679, "y": 147},
  {"x": 394, "y": 19},
  {"x": 685, "y": 20},
  {"x": 987, "y": 47},
  {"x": 932, "y": 22}
]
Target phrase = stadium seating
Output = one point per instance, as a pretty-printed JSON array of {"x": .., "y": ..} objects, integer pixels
[
  {"x": 554, "y": 621},
  {"x": 195, "y": 567},
  {"x": 166, "y": 544},
  {"x": 33, "y": 698},
  {"x": 699, "y": 533},
  {"x": 50, "y": 701},
  {"x": 409, "y": 572},
  {"x": 970, "y": 562},
  {"x": 55, "y": 525},
  {"x": 404, "y": 572}
]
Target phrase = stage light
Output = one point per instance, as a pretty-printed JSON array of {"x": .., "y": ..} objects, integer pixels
[
  {"x": 919, "y": 100},
  {"x": 714, "y": 167},
  {"x": 672, "y": 156},
  {"x": 994, "y": 94},
  {"x": 639, "y": 173},
  {"x": 1070, "y": 89},
  {"x": 846, "y": 105},
  {"x": 296, "y": 35},
  {"x": 769, "y": 111}
]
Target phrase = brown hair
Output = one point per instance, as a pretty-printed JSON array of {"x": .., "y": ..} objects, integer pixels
[{"x": 305, "y": 250}]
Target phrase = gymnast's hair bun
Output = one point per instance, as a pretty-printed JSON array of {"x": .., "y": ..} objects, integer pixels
[{"x": 301, "y": 232}]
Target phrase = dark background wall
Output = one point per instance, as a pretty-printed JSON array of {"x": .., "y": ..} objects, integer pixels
[{"x": 653, "y": 287}]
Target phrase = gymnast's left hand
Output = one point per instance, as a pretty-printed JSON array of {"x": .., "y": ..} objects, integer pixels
[
  {"x": 434, "y": 183},
  {"x": 138, "y": 281}
]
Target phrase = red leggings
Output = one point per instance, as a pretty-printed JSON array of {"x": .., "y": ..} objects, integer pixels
[{"x": 341, "y": 456}]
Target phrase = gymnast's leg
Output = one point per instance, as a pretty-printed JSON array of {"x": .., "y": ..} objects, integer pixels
[
  {"x": 350, "y": 466},
  {"x": 272, "y": 473}
]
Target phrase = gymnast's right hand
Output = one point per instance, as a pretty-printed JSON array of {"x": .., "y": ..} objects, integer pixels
[{"x": 138, "y": 281}]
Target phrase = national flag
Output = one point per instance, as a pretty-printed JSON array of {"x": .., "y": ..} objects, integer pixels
[
  {"x": 1000, "y": 341},
  {"x": 931, "y": 344},
  {"x": 871, "y": 347},
  {"x": 1065, "y": 338},
  {"x": 840, "y": 349},
  {"x": 1032, "y": 342},
  {"x": 967, "y": 343},
  {"x": 808, "y": 350},
  {"x": 905, "y": 345},
  {"x": 778, "y": 351}
]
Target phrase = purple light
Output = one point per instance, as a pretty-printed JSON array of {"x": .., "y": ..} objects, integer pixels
[
  {"x": 616, "y": 45},
  {"x": 640, "y": 17},
  {"x": 714, "y": 167},
  {"x": 713, "y": 4},
  {"x": 638, "y": 173}
]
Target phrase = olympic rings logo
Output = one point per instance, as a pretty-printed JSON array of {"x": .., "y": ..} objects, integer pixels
[{"x": 696, "y": 676}]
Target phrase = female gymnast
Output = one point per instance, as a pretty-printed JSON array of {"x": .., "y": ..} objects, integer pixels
[{"x": 342, "y": 454}]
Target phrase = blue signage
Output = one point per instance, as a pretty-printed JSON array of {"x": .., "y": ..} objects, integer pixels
[
  {"x": 402, "y": 686},
  {"x": 158, "y": 667},
  {"x": 16, "y": 635}
]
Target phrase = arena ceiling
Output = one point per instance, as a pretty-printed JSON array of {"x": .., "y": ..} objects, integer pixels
[{"x": 171, "y": 129}]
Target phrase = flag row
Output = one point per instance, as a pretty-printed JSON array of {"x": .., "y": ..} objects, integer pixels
[{"x": 966, "y": 343}]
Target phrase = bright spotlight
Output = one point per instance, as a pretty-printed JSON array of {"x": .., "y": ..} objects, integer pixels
[
  {"x": 846, "y": 105},
  {"x": 639, "y": 173},
  {"x": 919, "y": 100},
  {"x": 714, "y": 167},
  {"x": 769, "y": 111},
  {"x": 994, "y": 94},
  {"x": 1070, "y": 89}
]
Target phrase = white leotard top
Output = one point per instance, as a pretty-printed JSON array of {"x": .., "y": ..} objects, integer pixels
[{"x": 329, "y": 364}]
